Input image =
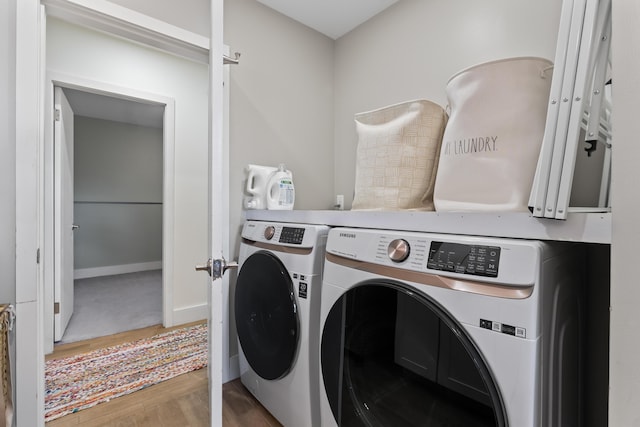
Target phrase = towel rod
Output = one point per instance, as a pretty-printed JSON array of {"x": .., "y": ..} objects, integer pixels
[{"x": 229, "y": 60}]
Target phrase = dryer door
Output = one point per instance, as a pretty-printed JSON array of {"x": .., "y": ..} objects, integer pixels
[
  {"x": 391, "y": 356},
  {"x": 267, "y": 315}
]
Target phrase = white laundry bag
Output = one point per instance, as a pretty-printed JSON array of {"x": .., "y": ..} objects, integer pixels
[
  {"x": 493, "y": 137},
  {"x": 397, "y": 156}
]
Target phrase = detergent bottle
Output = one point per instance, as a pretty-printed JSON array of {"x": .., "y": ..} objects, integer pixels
[
  {"x": 280, "y": 191},
  {"x": 257, "y": 186}
]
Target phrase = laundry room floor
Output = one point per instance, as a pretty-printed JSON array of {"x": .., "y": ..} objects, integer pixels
[{"x": 179, "y": 402}]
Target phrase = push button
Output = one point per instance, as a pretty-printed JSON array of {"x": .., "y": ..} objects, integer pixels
[{"x": 486, "y": 324}]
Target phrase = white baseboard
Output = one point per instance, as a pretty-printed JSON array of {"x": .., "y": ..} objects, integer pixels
[
  {"x": 233, "y": 371},
  {"x": 190, "y": 314},
  {"x": 110, "y": 270}
]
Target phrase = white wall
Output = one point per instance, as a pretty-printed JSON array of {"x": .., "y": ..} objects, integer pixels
[
  {"x": 118, "y": 193},
  {"x": 95, "y": 56},
  {"x": 625, "y": 292},
  {"x": 410, "y": 50},
  {"x": 7, "y": 153}
]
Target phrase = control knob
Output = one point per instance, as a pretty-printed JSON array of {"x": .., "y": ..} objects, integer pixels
[
  {"x": 269, "y": 232},
  {"x": 398, "y": 250}
]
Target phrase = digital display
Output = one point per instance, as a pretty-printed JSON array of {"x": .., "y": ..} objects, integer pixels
[
  {"x": 464, "y": 259},
  {"x": 292, "y": 235}
]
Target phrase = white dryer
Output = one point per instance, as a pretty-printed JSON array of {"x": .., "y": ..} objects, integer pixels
[
  {"x": 277, "y": 312},
  {"x": 443, "y": 330}
]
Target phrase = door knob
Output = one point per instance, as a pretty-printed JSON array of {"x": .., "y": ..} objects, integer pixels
[
  {"x": 220, "y": 266},
  {"x": 205, "y": 267},
  {"x": 74, "y": 226},
  {"x": 216, "y": 267}
]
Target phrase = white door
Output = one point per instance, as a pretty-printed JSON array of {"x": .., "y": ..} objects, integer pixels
[
  {"x": 63, "y": 213},
  {"x": 218, "y": 215}
]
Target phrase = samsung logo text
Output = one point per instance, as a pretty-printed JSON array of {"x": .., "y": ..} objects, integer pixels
[{"x": 348, "y": 235}]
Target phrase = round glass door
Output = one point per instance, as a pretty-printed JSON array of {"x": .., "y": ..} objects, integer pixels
[
  {"x": 266, "y": 315},
  {"x": 393, "y": 357}
]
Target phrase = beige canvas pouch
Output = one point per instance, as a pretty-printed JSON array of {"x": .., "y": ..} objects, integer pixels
[{"x": 397, "y": 156}]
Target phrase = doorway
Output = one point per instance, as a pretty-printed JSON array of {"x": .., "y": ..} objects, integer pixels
[
  {"x": 121, "y": 204},
  {"x": 100, "y": 59},
  {"x": 116, "y": 206}
]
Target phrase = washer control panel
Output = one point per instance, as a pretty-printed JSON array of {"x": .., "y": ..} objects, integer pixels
[
  {"x": 513, "y": 262},
  {"x": 398, "y": 250},
  {"x": 459, "y": 258},
  {"x": 285, "y": 234},
  {"x": 292, "y": 235},
  {"x": 269, "y": 232}
]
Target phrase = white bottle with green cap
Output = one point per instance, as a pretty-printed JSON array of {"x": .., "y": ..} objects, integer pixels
[{"x": 280, "y": 190}]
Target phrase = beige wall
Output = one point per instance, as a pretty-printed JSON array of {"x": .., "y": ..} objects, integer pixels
[
  {"x": 281, "y": 110},
  {"x": 117, "y": 193},
  {"x": 410, "y": 50},
  {"x": 281, "y": 101}
]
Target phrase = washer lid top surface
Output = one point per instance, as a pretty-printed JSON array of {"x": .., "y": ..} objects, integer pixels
[{"x": 267, "y": 315}]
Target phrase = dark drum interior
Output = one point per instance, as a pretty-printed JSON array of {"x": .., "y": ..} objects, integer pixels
[
  {"x": 392, "y": 357},
  {"x": 266, "y": 315}
]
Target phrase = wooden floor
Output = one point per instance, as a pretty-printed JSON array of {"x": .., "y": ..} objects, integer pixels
[{"x": 180, "y": 402}]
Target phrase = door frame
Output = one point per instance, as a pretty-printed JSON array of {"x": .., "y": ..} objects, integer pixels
[
  {"x": 30, "y": 43},
  {"x": 47, "y": 170}
]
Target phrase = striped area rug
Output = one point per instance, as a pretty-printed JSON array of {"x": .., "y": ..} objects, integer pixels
[{"x": 82, "y": 381}]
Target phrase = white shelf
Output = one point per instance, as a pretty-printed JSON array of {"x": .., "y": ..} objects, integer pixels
[{"x": 578, "y": 227}]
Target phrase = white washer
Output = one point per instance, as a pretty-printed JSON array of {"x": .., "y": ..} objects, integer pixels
[
  {"x": 426, "y": 329},
  {"x": 277, "y": 312}
]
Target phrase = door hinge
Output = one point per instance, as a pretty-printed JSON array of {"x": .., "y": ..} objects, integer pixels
[
  {"x": 57, "y": 115},
  {"x": 56, "y": 308},
  {"x": 38, "y": 256}
]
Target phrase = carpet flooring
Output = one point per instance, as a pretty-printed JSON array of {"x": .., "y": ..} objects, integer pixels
[{"x": 111, "y": 304}]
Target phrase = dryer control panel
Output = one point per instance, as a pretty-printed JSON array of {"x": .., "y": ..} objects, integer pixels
[{"x": 459, "y": 258}]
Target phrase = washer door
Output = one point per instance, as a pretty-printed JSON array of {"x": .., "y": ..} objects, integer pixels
[
  {"x": 266, "y": 315},
  {"x": 393, "y": 357}
]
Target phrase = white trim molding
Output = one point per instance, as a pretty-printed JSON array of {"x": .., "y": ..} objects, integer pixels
[
  {"x": 233, "y": 371},
  {"x": 117, "y": 20},
  {"x": 111, "y": 270},
  {"x": 190, "y": 314}
]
